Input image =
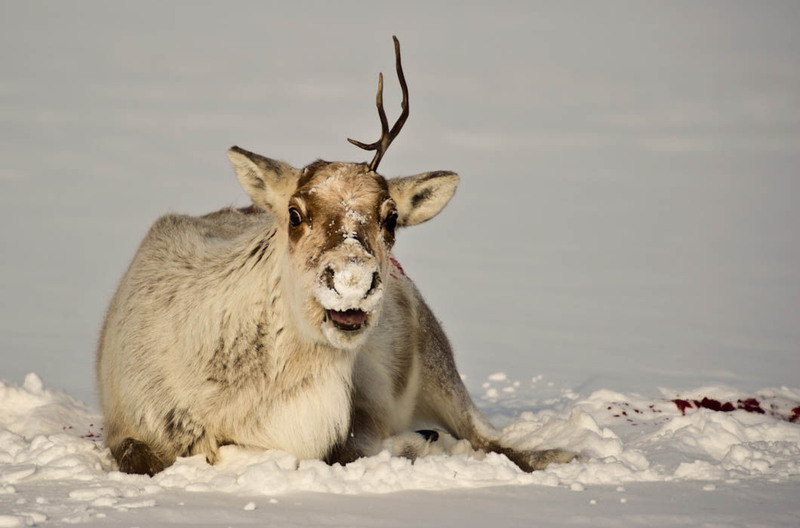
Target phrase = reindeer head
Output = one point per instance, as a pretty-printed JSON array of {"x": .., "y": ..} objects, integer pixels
[{"x": 339, "y": 220}]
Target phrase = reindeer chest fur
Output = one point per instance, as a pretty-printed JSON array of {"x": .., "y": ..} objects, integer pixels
[
  {"x": 278, "y": 393},
  {"x": 306, "y": 419}
]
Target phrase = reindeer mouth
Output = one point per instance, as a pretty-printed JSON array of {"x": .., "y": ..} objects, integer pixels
[{"x": 348, "y": 320}]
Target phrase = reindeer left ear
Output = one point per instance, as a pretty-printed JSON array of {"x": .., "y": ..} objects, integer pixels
[
  {"x": 421, "y": 197},
  {"x": 268, "y": 182}
]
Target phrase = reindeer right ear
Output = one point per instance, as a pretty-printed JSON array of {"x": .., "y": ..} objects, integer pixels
[
  {"x": 419, "y": 198},
  {"x": 268, "y": 182}
]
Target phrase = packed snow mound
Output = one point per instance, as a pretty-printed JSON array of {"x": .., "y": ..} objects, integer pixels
[{"x": 48, "y": 437}]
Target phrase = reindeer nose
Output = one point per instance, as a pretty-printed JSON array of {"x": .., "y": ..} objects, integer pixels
[{"x": 350, "y": 282}]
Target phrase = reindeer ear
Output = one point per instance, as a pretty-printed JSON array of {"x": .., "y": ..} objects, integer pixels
[
  {"x": 269, "y": 183},
  {"x": 421, "y": 197}
]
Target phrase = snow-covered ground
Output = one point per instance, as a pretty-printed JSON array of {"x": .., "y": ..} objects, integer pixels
[
  {"x": 54, "y": 466},
  {"x": 623, "y": 244}
]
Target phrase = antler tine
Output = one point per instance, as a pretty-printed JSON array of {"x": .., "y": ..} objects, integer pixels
[
  {"x": 387, "y": 136},
  {"x": 384, "y": 123}
]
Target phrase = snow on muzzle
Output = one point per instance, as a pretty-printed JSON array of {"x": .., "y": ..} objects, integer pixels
[{"x": 349, "y": 289}]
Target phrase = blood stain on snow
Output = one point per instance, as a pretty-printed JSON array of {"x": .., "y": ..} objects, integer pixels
[{"x": 751, "y": 405}]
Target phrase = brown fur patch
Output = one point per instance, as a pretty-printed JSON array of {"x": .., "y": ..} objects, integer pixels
[
  {"x": 404, "y": 357},
  {"x": 252, "y": 209},
  {"x": 339, "y": 201}
]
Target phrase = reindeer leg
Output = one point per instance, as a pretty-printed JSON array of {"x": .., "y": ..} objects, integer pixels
[
  {"x": 444, "y": 399},
  {"x": 534, "y": 460}
]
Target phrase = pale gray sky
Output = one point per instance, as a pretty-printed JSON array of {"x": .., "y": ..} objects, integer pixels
[{"x": 629, "y": 202}]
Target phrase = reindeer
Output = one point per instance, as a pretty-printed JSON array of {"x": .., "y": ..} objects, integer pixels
[{"x": 288, "y": 324}]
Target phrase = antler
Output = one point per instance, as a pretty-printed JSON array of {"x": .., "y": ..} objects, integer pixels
[{"x": 387, "y": 136}]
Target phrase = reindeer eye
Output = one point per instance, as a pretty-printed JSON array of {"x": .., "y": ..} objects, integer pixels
[
  {"x": 295, "y": 218},
  {"x": 391, "y": 222}
]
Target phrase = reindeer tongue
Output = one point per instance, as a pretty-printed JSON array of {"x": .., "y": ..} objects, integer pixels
[{"x": 348, "y": 317}]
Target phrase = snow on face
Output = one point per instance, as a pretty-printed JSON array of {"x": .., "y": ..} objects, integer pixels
[
  {"x": 353, "y": 217},
  {"x": 351, "y": 285}
]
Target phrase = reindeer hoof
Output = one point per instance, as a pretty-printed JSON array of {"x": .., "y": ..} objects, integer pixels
[
  {"x": 134, "y": 456},
  {"x": 530, "y": 461}
]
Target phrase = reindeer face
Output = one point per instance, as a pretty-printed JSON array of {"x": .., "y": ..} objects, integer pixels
[
  {"x": 340, "y": 224},
  {"x": 339, "y": 221}
]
